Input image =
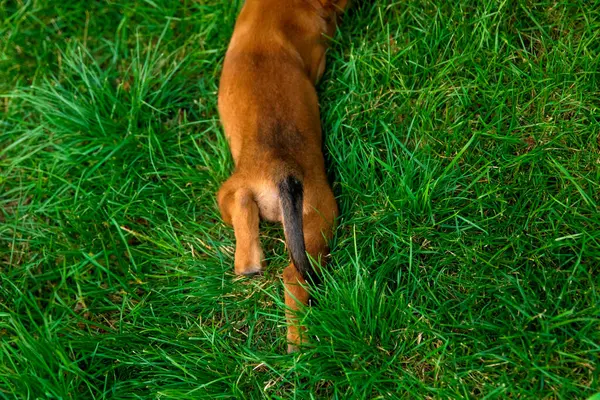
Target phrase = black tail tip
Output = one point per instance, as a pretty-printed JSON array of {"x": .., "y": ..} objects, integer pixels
[{"x": 292, "y": 193}]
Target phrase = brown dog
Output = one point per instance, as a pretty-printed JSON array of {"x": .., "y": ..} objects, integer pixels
[{"x": 270, "y": 112}]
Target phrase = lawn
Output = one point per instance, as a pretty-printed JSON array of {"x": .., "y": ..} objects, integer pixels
[{"x": 463, "y": 144}]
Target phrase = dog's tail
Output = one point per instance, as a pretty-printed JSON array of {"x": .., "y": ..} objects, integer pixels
[{"x": 291, "y": 195}]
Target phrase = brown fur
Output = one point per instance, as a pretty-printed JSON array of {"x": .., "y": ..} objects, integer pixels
[{"x": 269, "y": 109}]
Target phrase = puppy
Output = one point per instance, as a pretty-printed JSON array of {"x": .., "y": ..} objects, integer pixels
[{"x": 269, "y": 109}]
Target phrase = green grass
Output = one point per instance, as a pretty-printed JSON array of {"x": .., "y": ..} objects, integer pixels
[{"x": 463, "y": 143}]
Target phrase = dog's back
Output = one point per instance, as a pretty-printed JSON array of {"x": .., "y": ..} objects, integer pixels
[{"x": 267, "y": 99}]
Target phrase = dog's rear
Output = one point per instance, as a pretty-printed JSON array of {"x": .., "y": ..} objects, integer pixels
[{"x": 270, "y": 113}]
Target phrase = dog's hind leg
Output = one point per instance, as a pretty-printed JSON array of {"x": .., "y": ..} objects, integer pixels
[
  {"x": 296, "y": 295},
  {"x": 320, "y": 211},
  {"x": 238, "y": 208}
]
